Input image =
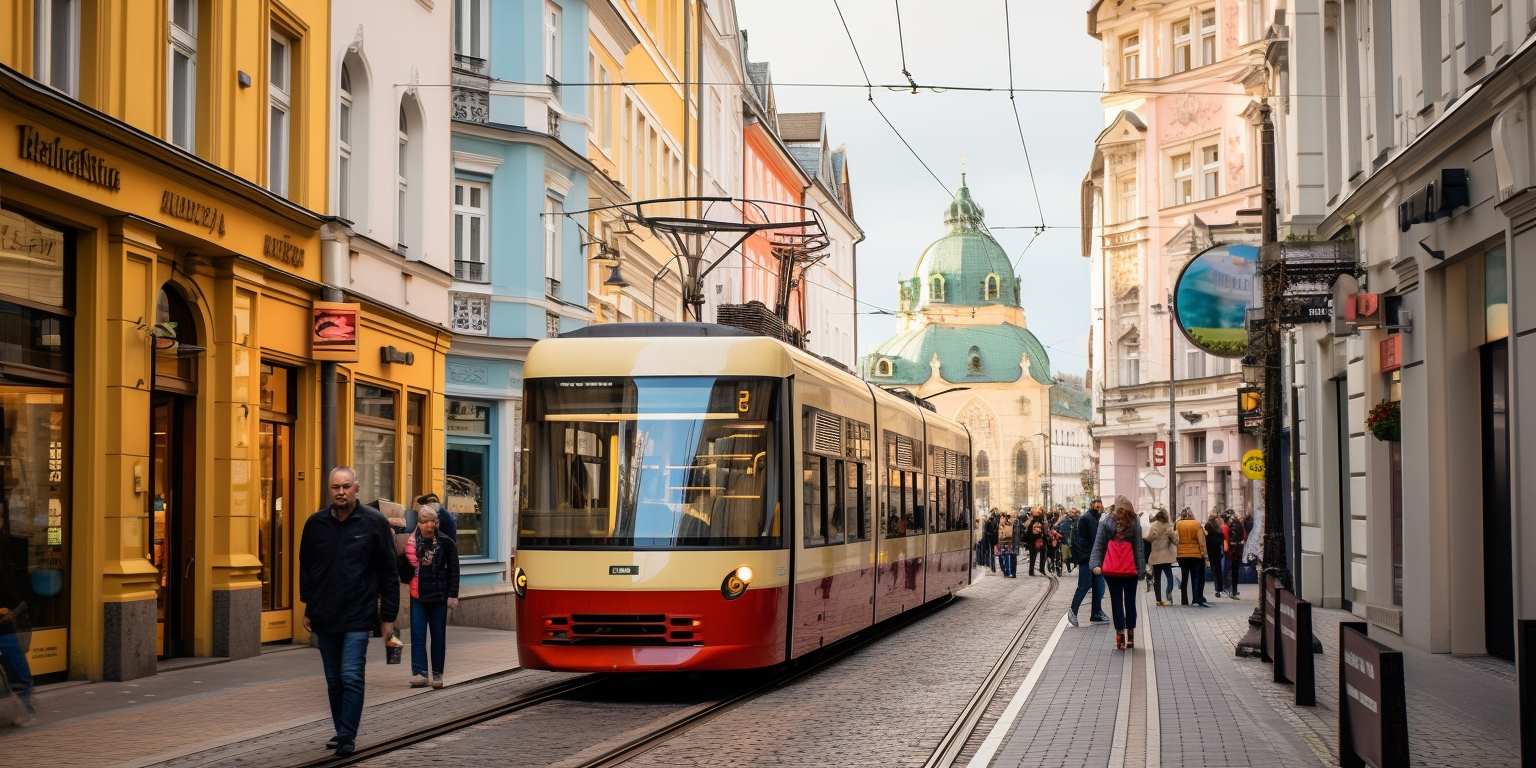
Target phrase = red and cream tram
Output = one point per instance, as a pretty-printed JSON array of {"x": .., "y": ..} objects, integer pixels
[{"x": 696, "y": 498}]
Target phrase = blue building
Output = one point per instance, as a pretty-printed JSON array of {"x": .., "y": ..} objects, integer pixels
[{"x": 519, "y": 273}]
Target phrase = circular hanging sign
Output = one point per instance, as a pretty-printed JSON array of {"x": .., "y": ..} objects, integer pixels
[
  {"x": 1212, "y": 296},
  {"x": 1253, "y": 464},
  {"x": 1155, "y": 481}
]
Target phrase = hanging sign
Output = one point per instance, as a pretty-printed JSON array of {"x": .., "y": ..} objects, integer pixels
[
  {"x": 1391, "y": 349},
  {"x": 1253, "y": 464},
  {"x": 333, "y": 331},
  {"x": 1159, "y": 453},
  {"x": 1212, "y": 296},
  {"x": 1250, "y": 410}
]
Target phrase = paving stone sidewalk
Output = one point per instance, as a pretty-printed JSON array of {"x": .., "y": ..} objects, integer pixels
[{"x": 187, "y": 711}]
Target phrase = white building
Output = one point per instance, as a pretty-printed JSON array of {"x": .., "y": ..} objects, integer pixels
[
  {"x": 1071, "y": 457},
  {"x": 389, "y": 154},
  {"x": 724, "y": 62},
  {"x": 830, "y": 284}
]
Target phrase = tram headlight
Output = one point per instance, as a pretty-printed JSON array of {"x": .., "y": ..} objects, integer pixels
[
  {"x": 520, "y": 582},
  {"x": 735, "y": 583}
]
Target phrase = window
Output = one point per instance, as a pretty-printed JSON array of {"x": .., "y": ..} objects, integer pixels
[
  {"x": 1130, "y": 57},
  {"x": 1125, "y": 190},
  {"x": 605, "y": 109},
  {"x": 991, "y": 288},
  {"x": 373, "y": 442},
  {"x": 279, "y": 112},
  {"x": 415, "y": 456},
  {"x": 56, "y": 44},
  {"x": 1256, "y": 26},
  {"x": 1183, "y": 179},
  {"x": 1208, "y": 36},
  {"x": 552, "y": 42},
  {"x": 813, "y": 489},
  {"x": 469, "y": 473},
  {"x": 1210, "y": 171},
  {"x": 1197, "y": 448},
  {"x": 471, "y": 231},
  {"x": 973, "y": 360},
  {"x": 552, "y": 215},
  {"x": 402, "y": 181},
  {"x": 1194, "y": 364},
  {"x": 883, "y": 367},
  {"x": 1130, "y": 366},
  {"x": 182, "y": 90},
  {"x": 936, "y": 288},
  {"x": 1182, "y": 46},
  {"x": 468, "y": 21},
  {"x": 344, "y": 144}
]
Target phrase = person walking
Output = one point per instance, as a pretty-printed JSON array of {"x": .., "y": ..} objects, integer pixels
[
  {"x": 1237, "y": 537},
  {"x": 1083, "y": 537},
  {"x": 349, "y": 584},
  {"x": 1215, "y": 544},
  {"x": 1008, "y": 545},
  {"x": 15, "y": 627},
  {"x": 1036, "y": 541},
  {"x": 1191, "y": 544},
  {"x": 431, "y": 566},
  {"x": 1162, "y": 549},
  {"x": 1064, "y": 530},
  {"x": 989, "y": 531},
  {"x": 1120, "y": 559}
]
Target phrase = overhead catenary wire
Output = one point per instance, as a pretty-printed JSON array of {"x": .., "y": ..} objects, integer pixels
[{"x": 1019, "y": 123}]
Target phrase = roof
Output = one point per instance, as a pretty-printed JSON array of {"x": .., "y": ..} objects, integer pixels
[
  {"x": 963, "y": 260},
  {"x": 1071, "y": 401},
  {"x": 801, "y": 126},
  {"x": 979, "y": 354}
]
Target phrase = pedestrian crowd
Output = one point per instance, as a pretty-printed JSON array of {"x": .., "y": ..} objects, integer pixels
[{"x": 1043, "y": 538}]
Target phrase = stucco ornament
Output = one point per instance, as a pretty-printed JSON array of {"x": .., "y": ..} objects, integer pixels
[{"x": 1192, "y": 114}]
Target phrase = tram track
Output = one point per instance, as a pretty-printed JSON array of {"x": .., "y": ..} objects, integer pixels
[{"x": 952, "y": 744}]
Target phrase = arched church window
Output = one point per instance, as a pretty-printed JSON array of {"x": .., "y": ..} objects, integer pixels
[
  {"x": 973, "y": 360},
  {"x": 936, "y": 288},
  {"x": 1020, "y": 474},
  {"x": 991, "y": 289}
]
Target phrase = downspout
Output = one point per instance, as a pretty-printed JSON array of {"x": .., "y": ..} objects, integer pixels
[{"x": 334, "y": 250}]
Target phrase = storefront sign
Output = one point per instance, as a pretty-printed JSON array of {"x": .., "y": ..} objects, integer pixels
[
  {"x": 1212, "y": 296},
  {"x": 1373, "y": 707},
  {"x": 333, "y": 334},
  {"x": 80, "y": 162},
  {"x": 1435, "y": 200},
  {"x": 1159, "y": 453},
  {"x": 1253, "y": 464},
  {"x": 280, "y": 250},
  {"x": 49, "y": 652},
  {"x": 187, "y": 209},
  {"x": 31, "y": 260},
  {"x": 1295, "y": 646},
  {"x": 1306, "y": 308},
  {"x": 1250, "y": 410},
  {"x": 1391, "y": 349}
]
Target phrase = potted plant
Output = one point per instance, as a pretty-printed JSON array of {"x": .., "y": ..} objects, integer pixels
[{"x": 1386, "y": 421}]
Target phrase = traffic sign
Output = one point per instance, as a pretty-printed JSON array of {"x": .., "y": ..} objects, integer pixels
[{"x": 1253, "y": 464}]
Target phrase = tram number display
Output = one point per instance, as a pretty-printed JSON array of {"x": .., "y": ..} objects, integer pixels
[
  {"x": 623, "y": 570},
  {"x": 743, "y": 400}
]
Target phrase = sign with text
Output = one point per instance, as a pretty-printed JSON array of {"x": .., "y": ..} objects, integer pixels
[
  {"x": 1250, "y": 410},
  {"x": 1253, "y": 464},
  {"x": 1159, "y": 453},
  {"x": 31, "y": 260},
  {"x": 1391, "y": 350},
  {"x": 1294, "y": 620},
  {"x": 334, "y": 331},
  {"x": 1373, "y": 707}
]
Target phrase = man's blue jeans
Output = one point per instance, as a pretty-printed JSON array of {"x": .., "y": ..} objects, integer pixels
[
  {"x": 425, "y": 617},
  {"x": 1086, "y": 580},
  {"x": 344, "y": 654},
  {"x": 14, "y": 659}
]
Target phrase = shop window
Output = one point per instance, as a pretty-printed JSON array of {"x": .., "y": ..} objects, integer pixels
[
  {"x": 279, "y": 112},
  {"x": 56, "y": 44},
  {"x": 469, "y": 456},
  {"x": 34, "y": 511},
  {"x": 275, "y": 517},
  {"x": 415, "y": 446},
  {"x": 374, "y": 413},
  {"x": 182, "y": 61},
  {"x": 35, "y": 328}
]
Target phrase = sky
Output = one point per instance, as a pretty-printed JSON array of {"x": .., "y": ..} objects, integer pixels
[{"x": 897, "y": 203}]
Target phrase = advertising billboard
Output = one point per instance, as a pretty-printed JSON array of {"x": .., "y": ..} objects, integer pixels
[{"x": 1212, "y": 296}]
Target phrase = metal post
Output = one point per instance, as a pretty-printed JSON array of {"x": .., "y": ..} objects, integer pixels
[
  {"x": 1271, "y": 270},
  {"x": 1173, "y": 426}
]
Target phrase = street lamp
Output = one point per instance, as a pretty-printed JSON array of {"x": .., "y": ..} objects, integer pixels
[{"x": 1045, "y": 487}]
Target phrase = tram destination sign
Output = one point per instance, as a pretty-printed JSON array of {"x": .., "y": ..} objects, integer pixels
[
  {"x": 623, "y": 570},
  {"x": 1373, "y": 709}
]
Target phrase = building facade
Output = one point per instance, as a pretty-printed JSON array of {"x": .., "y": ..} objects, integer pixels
[
  {"x": 161, "y": 235},
  {"x": 831, "y": 283},
  {"x": 962, "y": 326},
  {"x": 1172, "y": 168},
  {"x": 1428, "y": 533},
  {"x": 1070, "y": 468},
  {"x": 518, "y": 166}
]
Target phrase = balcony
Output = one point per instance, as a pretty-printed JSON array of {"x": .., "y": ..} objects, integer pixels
[
  {"x": 471, "y": 314},
  {"x": 471, "y": 89},
  {"x": 470, "y": 271}
]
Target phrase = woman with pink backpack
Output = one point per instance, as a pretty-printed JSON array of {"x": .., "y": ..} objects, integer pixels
[{"x": 1119, "y": 558}]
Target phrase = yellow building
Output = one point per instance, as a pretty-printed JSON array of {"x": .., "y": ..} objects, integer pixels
[
  {"x": 641, "y": 142},
  {"x": 160, "y": 261}
]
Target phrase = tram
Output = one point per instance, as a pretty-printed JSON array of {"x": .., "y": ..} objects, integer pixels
[{"x": 694, "y": 497}]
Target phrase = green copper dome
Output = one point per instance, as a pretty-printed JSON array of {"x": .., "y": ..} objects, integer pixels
[
  {"x": 965, "y": 267},
  {"x": 979, "y": 354}
]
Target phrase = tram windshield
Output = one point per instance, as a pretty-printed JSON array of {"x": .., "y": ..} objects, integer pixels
[{"x": 661, "y": 462}]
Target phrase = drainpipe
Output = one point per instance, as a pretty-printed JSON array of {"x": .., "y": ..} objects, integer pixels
[{"x": 334, "y": 248}]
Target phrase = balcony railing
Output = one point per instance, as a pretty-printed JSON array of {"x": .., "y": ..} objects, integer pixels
[
  {"x": 472, "y": 271},
  {"x": 471, "y": 64},
  {"x": 471, "y": 89}
]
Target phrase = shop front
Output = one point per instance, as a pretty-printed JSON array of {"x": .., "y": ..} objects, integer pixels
[{"x": 160, "y": 395}]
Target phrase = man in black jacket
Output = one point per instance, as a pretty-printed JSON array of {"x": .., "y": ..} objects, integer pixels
[
  {"x": 1082, "y": 548},
  {"x": 350, "y": 587}
]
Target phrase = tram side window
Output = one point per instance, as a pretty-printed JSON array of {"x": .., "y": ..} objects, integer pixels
[
  {"x": 815, "y": 501},
  {"x": 894, "y": 527},
  {"x": 936, "y": 499},
  {"x": 912, "y": 504},
  {"x": 837, "y": 515},
  {"x": 854, "y": 506}
]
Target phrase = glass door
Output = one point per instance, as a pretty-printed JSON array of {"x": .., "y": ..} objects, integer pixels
[
  {"x": 275, "y": 516},
  {"x": 171, "y": 523}
]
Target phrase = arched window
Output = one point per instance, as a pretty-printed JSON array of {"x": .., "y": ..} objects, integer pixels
[
  {"x": 408, "y": 175},
  {"x": 982, "y": 486},
  {"x": 992, "y": 288},
  {"x": 175, "y": 337},
  {"x": 973, "y": 360},
  {"x": 1020, "y": 474},
  {"x": 883, "y": 367},
  {"x": 936, "y": 288},
  {"x": 352, "y": 140}
]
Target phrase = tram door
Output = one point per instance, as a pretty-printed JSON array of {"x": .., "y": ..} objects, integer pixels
[{"x": 171, "y": 523}]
